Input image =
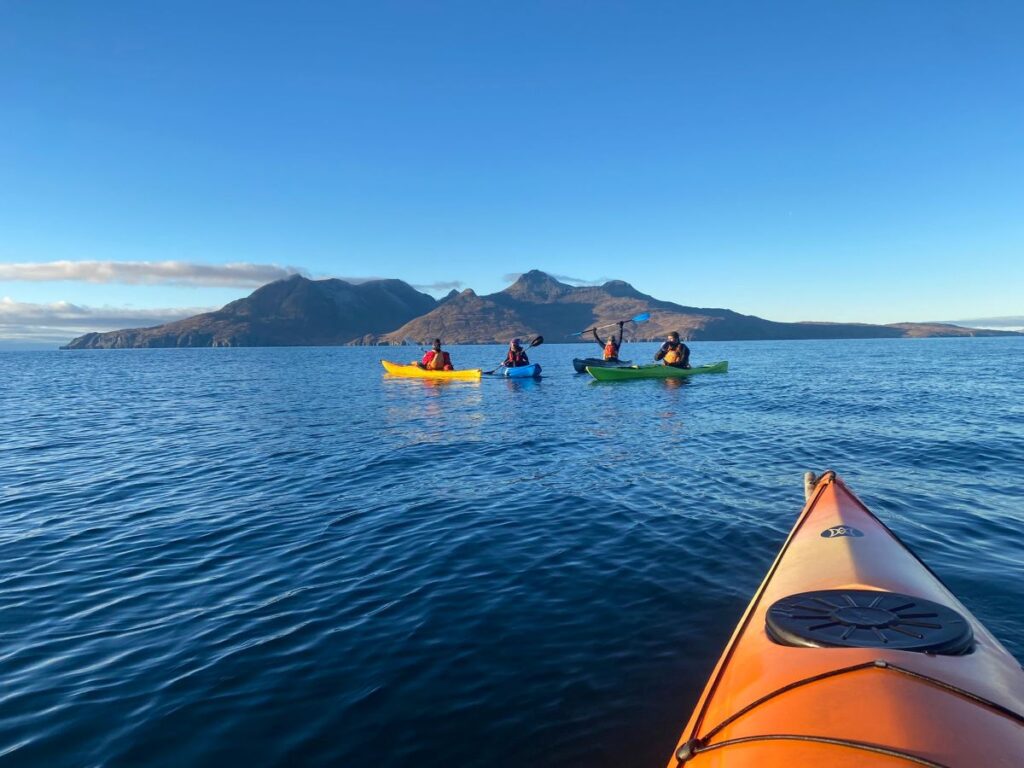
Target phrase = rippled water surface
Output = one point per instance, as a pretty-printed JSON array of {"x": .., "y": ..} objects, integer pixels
[{"x": 280, "y": 556}]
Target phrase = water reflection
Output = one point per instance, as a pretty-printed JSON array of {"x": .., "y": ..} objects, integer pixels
[
  {"x": 430, "y": 410},
  {"x": 522, "y": 384},
  {"x": 428, "y": 384},
  {"x": 675, "y": 383}
]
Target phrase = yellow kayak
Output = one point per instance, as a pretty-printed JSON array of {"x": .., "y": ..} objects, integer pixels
[{"x": 415, "y": 372}]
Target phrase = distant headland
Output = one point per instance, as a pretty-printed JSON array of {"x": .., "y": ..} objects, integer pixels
[{"x": 298, "y": 311}]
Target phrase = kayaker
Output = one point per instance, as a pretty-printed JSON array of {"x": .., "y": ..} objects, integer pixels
[
  {"x": 516, "y": 357},
  {"x": 436, "y": 359},
  {"x": 673, "y": 352},
  {"x": 611, "y": 346}
]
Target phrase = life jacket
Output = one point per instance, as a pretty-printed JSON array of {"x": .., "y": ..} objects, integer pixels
[
  {"x": 439, "y": 361},
  {"x": 516, "y": 358},
  {"x": 611, "y": 350},
  {"x": 675, "y": 355}
]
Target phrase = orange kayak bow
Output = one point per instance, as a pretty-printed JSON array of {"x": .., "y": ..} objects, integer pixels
[{"x": 853, "y": 653}]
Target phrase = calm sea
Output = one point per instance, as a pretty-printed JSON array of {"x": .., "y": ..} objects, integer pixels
[{"x": 279, "y": 556}]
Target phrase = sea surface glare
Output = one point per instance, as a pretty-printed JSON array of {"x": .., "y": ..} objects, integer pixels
[{"x": 264, "y": 557}]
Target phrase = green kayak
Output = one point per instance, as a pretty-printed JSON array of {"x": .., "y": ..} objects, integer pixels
[{"x": 654, "y": 371}]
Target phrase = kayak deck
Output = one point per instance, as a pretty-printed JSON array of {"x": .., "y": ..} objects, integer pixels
[
  {"x": 654, "y": 371},
  {"x": 833, "y": 680},
  {"x": 415, "y": 372}
]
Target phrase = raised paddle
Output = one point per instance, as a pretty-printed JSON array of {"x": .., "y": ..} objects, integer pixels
[
  {"x": 425, "y": 346},
  {"x": 643, "y": 317},
  {"x": 535, "y": 343}
]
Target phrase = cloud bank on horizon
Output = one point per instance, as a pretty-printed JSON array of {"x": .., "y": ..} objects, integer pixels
[
  {"x": 179, "y": 273},
  {"x": 1005, "y": 323},
  {"x": 182, "y": 273},
  {"x": 48, "y": 323}
]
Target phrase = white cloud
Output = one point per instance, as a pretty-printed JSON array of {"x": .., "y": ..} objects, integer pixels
[
  {"x": 235, "y": 275},
  {"x": 581, "y": 281},
  {"x": 25, "y": 321},
  {"x": 440, "y": 285},
  {"x": 511, "y": 277},
  {"x": 1006, "y": 323},
  {"x": 181, "y": 273}
]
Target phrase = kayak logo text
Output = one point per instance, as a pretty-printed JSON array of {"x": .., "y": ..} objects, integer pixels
[{"x": 840, "y": 530}]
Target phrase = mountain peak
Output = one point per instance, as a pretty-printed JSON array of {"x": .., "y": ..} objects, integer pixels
[
  {"x": 622, "y": 288},
  {"x": 300, "y": 311},
  {"x": 537, "y": 286},
  {"x": 292, "y": 311}
]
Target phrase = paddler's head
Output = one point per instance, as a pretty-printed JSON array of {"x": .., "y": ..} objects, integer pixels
[
  {"x": 514, "y": 344},
  {"x": 674, "y": 337},
  {"x": 437, "y": 345}
]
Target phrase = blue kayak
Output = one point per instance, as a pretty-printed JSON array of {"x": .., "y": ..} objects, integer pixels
[{"x": 531, "y": 371}]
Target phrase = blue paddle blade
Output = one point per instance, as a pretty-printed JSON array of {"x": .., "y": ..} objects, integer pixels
[{"x": 642, "y": 318}]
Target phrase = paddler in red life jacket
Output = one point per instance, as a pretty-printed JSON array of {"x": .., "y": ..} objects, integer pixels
[
  {"x": 437, "y": 360},
  {"x": 611, "y": 346},
  {"x": 516, "y": 357},
  {"x": 673, "y": 352}
]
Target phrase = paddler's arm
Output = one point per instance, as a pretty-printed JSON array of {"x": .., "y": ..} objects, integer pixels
[{"x": 597, "y": 338}]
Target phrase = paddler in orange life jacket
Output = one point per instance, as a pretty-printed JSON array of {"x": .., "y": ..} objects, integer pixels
[
  {"x": 673, "y": 352},
  {"x": 516, "y": 357},
  {"x": 437, "y": 360},
  {"x": 611, "y": 346}
]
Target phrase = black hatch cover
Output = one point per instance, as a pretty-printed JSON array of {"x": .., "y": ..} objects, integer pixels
[{"x": 862, "y": 618}]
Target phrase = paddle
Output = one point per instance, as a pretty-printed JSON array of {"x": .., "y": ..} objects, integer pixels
[
  {"x": 535, "y": 343},
  {"x": 643, "y": 317},
  {"x": 425, "y": 346}
]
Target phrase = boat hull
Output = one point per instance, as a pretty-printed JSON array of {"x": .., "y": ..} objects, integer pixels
[
  {"x": 776, "y": 699},
  {"x": 655, "y": 371},
  {"x": 415, "y": 372}
]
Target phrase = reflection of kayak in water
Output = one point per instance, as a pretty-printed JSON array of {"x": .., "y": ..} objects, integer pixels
[
  {"x": 654, "y": 371},
  {"x": 853, "y": 653},
  {"x": 522, "y": 372},
  {"x": 415, "y": 372},
  {"x": 580, "y": 364}
]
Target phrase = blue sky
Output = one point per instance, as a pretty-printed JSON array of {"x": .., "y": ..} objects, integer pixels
[{"x": 797, "y": 160}]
